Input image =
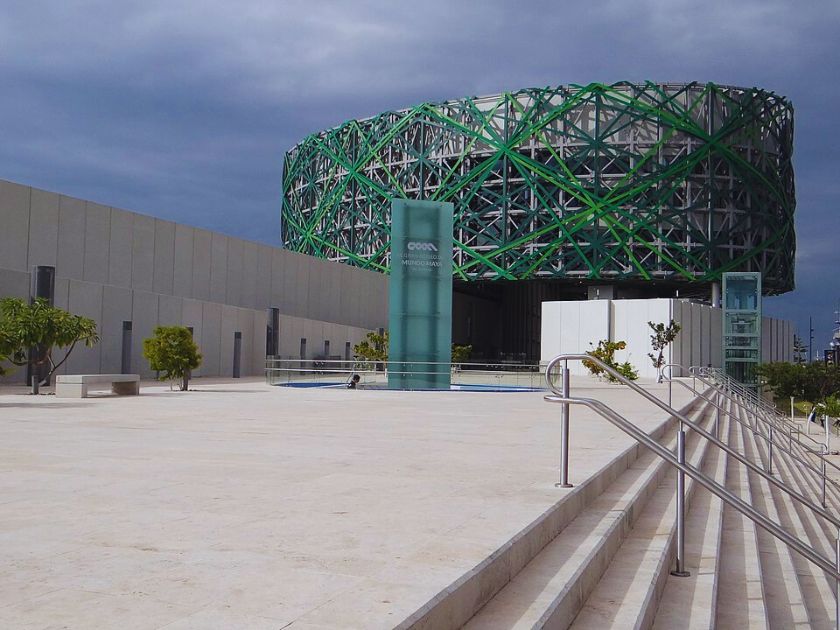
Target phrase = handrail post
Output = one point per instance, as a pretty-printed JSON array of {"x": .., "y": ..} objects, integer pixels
[
  {"x": 564, "y": 431},
  {"x": 680, "y": 571},
  {"x": 822, "y": 462},
  {"x": 837, "y": 583},
  {"x": 770, "y": 451},
  {"x": 718, "y": 403}
]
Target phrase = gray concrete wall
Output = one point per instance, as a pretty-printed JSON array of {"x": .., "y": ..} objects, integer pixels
[{"x": 116, "y": 266}]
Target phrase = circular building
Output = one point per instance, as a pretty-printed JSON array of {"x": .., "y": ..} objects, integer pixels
[{"x": 638, "y": 189}]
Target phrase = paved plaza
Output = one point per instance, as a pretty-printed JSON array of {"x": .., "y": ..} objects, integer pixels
[{"x": 240, "y": 505}]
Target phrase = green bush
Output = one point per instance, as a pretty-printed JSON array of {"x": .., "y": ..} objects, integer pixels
[
  {"x": 30, "y": 332},
  {"x": 605, "y": 351},
  {"x": 173, "y": 353}
]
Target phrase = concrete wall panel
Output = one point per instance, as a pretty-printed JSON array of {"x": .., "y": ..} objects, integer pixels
[
  {"x": 116, "y": 308},
  {"x": 250, "y": 266},
  {"x": 717, "y": 337},
  {"x": 202, "y": 240},
  {"x": 14, "y": 284},
  {"x": 218, "y": 267},
  {"x": 183, "y": 261},
  {"x": 14, "y": 219},
  {"x": 279, "y": 269},
  {"x": 211, "y": 322},
  {"x": 170, "y": 310},
  {"x": 143, "y": 253},
  {"x": 120, "y": 248},
  {"x": 696, "y": 334},
  {"x": 97, "y": 242},
  {"x": 245, "y": 325},
  {"x": 71, "y": 238},
  {"x": 164, "y": 265},
  {"x": 264, "y": 286},
  {"x": 228, "y": 328},
  {"x": 258, "y": 343},
  {"x": 233, "y": 281},
  {"x": 629, "y": 320},
  {"x": 43, "y": 229},
  {"x": 191, "y": 317},
  {"x": 706, "y": 335},
  {"x": 579, "y": 324},
  {"x": 62, "y": 293},
  {"x": 144, "y": 312},
  {"x": 85, "y": 300}
]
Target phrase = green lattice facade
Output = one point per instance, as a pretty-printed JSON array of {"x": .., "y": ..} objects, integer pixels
[{"x": 624, "y": 182}]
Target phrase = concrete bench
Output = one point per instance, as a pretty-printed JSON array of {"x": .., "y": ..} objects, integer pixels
[{"x": 78, "y": 385}]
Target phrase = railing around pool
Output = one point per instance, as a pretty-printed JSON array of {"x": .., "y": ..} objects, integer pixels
[{"x": 291, "y": 371}]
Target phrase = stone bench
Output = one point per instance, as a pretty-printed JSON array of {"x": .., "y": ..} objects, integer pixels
[{"x": 78, "y": 385}]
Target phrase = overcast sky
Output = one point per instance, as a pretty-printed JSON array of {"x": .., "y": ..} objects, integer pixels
[{"x": 183, "y": 110}]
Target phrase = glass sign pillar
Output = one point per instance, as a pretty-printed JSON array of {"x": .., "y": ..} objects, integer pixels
[
  {"x": 742, "y": 326},
  {"x": 420, "y": 295}
]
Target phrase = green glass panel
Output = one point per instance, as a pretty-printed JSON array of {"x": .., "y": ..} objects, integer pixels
[
  {"x": 742, "y": 325},
  {"x": 420, "y": 295}
]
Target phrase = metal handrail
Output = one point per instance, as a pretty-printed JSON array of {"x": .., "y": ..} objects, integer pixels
[
  {"x": 694, "y": 426},
  {"x": 750, "y": 398},
  {"x": 781, "y": 420},
  {"x": 768, "y": 438},
  {"x": 710, "y": 484},
  {"x": 683, "y": 468}
]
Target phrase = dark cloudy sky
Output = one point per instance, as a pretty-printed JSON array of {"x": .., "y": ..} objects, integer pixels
[{"x": 183, "y": 109}]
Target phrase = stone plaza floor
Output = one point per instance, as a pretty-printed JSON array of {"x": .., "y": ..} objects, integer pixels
[{"x": 240, "y": 505}]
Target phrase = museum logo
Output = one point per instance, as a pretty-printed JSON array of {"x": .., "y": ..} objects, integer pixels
[{"x": 421, "y": 247}]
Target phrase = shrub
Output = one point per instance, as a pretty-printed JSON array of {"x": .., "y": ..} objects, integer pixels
[
  {"x": 605, "y": 351},
  {"x": 30, "y": 332},
  {"x": 173, "y": 353}
]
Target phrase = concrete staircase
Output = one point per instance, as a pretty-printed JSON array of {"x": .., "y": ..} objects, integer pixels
[{"x": 602, "y": 558}]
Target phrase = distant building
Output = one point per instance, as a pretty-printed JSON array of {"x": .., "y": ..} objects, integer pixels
[
  {"x": 561, "y": 193},
  {"x": 131, "y": 272}
]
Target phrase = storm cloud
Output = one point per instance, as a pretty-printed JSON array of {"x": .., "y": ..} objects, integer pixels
[{"x": 183, "y": 110}]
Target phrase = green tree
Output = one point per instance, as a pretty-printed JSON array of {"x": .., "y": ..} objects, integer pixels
[
  {"x": 461, "y": 354},
  {"x": 663, "y": 335},
  {"x": 172, "y": 352},
  {"x": 812, "y": 382},
  {"x": 605, "y": 351},
  {"x": 800, "y": 350},
  {"x": 374, "y": 347},
  {"x": 29, "y": 333}
]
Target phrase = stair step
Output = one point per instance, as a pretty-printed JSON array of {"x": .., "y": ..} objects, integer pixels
[
  {"x": 689, "y": 602},
  {"x": 784, "y": 599},
  {"x": 555, "y": 584},
  {"x": 740, "y": 597},
  {"x": 629, "y": 591},
  {"x": 459, "y": 602},
  {"x": 801, "y": 521}
]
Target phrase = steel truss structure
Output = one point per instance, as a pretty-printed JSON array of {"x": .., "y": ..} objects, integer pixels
[{"x": 640, "y": 182}]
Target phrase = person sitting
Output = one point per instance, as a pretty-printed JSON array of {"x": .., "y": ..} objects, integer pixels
[{"x": 354, "y": 381}]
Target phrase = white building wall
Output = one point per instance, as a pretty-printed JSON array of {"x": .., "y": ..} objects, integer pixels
[
  {"x": 574, "y": 327},
  {"x": 116, "y": 266}
]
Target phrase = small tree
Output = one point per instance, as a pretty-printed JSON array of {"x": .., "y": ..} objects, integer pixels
[
  {"x": 460, "y": 354},
  {"x": 374, "y": 347},
  {"x": 800, "y": 350},
  {"x": 30, "y": 332},
  {"x": 605, "y": 351},
  {"x": 172, "y": 352},
  {"x": 661, "y": 338}
]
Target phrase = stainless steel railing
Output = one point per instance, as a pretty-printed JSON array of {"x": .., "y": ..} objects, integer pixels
[
  {"x": 763, "y": 411},
  {"x": 563, "y": 396},
  {"x": 770, "y": 436},
  {"x": 279, "y": 370}
]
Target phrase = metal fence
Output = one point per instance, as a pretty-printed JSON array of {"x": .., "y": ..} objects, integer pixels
[{"x": 374, "y": 374}]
